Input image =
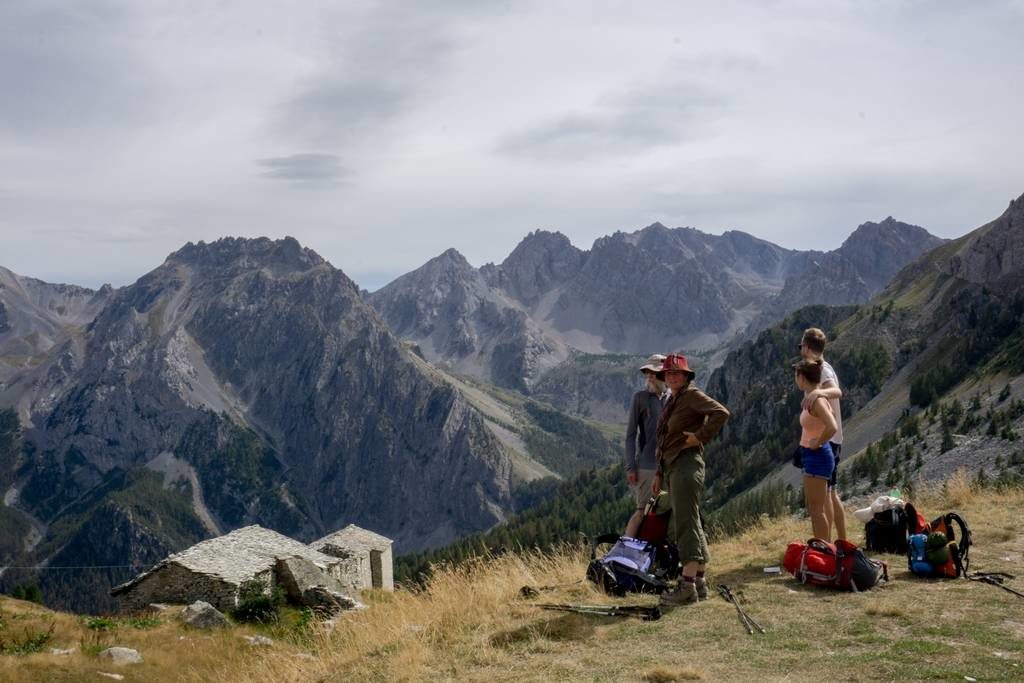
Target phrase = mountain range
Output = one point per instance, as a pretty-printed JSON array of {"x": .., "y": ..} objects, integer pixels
[
  {"x": 656, "y": 289},
  {"x": 249, "y": 381},
  {"x": 244, "y": 381}
]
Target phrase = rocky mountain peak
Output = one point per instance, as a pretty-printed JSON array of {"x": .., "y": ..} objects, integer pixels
[
  {"x": 889, "y": 229},
  {"x": 880, "y": 250},
  {"x": 447, "y": 269},
  {"x": 539, "y": 262},
  {"x": 233, "y": 253}
]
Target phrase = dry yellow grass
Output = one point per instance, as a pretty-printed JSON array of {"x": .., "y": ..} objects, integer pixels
[{"x": 471, "y": 624}]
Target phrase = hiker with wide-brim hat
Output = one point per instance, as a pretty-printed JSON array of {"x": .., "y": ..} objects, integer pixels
[
  {"x": 689, "y": 420},
  {"x": 641, "y": 438}
]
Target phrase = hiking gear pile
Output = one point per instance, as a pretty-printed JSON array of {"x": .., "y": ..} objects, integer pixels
[
  {"x": 637, "y": 565},
  {"x": 936, "y": 551},
  {"x": 748, "y": 622},
  {"x": 840, "y": 565}
]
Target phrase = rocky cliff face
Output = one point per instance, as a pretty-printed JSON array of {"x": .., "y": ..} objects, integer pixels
[
  {"x": 35, "y": 316},
  {"x": 258, "y": 366},
  {"x": 457, "y": 317},
  {"x": 995, "y": 255}
]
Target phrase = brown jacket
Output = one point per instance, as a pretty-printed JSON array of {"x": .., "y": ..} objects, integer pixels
[{"x": 695, "y": 412}]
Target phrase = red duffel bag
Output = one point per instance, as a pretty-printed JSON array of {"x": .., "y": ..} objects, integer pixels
[{"x": 840, "y": 565}]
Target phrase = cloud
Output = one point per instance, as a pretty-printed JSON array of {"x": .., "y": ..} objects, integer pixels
[
  {"x": 631, "y": 122},
  {"x": 68, "y": 67},
  {"x": 305, "y": 170},
  {"x": 370, "y": 72}
]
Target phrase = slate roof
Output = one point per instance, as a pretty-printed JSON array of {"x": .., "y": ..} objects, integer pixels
[
  {"x": 237, "y": 556},
  {"x": 353, "y": 536}
]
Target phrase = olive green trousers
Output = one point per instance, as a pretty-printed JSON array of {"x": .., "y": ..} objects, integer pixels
[{"x": 685, "y": 479}]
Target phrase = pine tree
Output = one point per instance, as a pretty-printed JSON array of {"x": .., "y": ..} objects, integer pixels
[{"x": 947, "y": 439}]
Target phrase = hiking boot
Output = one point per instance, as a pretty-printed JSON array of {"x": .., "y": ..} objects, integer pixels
[
  {"x": 701, "y": 585},
  {"x": 686, "y": 594}
]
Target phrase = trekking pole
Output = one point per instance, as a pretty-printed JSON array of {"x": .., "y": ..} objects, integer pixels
[
  {"x": 995, "y": 579},
  {"x": 644, "y": 613},
  {"x": 748, "y": 621},
  {"x": 727, "y": 596}
]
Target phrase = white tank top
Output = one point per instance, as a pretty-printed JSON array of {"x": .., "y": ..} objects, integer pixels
[{"x": 829, "y": 379}]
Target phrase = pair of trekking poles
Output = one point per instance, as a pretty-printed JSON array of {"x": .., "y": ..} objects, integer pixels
[
  {"x": 748, "y": 622},
  {"x": 996, "y": 579}
]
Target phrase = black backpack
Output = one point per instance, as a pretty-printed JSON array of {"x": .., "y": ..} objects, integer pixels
[{"x": 886, "y": 532}]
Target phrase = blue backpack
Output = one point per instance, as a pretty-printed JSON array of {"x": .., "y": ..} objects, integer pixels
[{"x": 917, "y": 555}]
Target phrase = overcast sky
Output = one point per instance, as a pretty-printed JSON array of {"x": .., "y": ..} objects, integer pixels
[{"x": 380, "y": 134}]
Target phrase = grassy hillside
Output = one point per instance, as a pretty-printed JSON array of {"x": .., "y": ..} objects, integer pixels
[{"x": 470, "y": 623}]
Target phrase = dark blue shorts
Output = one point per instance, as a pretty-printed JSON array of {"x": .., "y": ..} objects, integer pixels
[
  {"x": 819, "y": 463},
  {"x": 836, "y": 448}
]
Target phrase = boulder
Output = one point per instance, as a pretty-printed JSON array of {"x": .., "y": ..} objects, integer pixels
[
  {"x": 122, "y": 655},
  {"x": 327, "y": 601},
  {"x": 296, "y": 575},
  {"x": 203, "y": 615},
  {"x": 259, "y": 641}
]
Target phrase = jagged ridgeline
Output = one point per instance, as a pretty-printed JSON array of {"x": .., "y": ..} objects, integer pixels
[
  {"x": 246, "y": 381},
  {"x": 653, "y": 289}
]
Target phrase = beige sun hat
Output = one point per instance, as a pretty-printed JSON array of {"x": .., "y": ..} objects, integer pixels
[{"x": 653, "y": 363}]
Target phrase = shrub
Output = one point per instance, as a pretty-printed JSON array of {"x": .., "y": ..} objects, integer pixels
[
  {"x": 100, "y": 624},
  {"x": 257, "y": 604},
  {"x": 30, "y": 641},
  {"x": 29, "y": 592}
]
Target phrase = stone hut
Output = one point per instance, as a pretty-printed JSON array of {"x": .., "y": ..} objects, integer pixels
[
  {"x": 371, "y": 551},
  {"x": 215, "y": 569}
]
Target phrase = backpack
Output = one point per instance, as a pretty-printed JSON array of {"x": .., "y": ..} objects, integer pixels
[
  {"x": 886, "y": 532},
  {"x": 839, "y": 565},
  {"x": 628, "y": 567},
  {"x": 937, "y": 552},
  {"x": 657, "y": 514},
  {"x": 916, "y": 523}
]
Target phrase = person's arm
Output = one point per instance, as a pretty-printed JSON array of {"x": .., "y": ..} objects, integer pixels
[
  {"x": 631, "y": 429},
  {"x": 823, "y": 411},
  {"x": 828, "y": 390},
  {"x": 715, "y": 413}
]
